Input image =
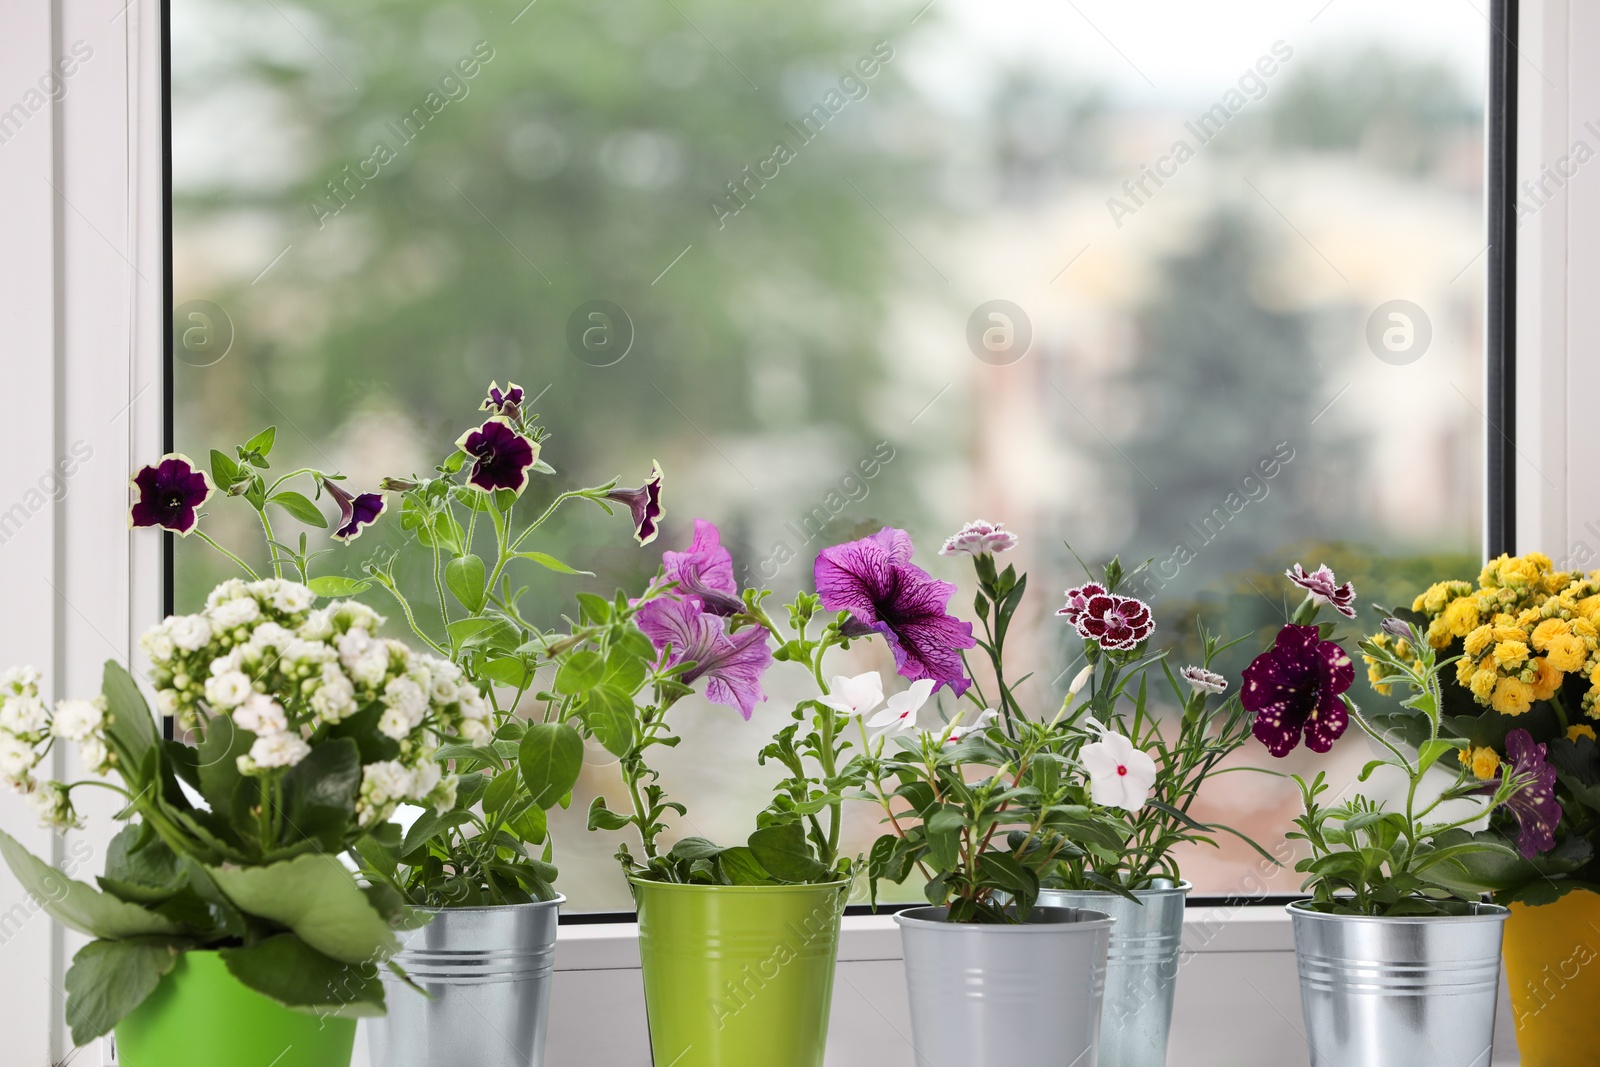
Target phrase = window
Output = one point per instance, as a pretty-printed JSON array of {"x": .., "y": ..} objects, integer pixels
[{"x": 1197, "y": 283}]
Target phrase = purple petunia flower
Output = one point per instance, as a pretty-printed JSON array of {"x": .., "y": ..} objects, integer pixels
[
  {"x": 1113, "y": 622},
  {"x": 1294, "y": 687},
  {"x": 502, "y": 456},
  {"x": 875, "y": 580},
  {"x": 1322, "y": 585},
  {"x": 705, "y": 571},
  {"x": 171, "y": 494},
  {"x": 645, "y": 503},
  {"x": 979, "y": 538},
  {"x": 1534, "y": 804},
  {"x": 356, "y": 513},
  {"x": 507, "y": 401},
  {"x": 732, "y": 663}
]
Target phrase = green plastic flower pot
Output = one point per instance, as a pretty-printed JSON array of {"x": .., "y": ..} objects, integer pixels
[
  {"x": 738, "y": 975},
  {"x": 202, "y": 1016}
]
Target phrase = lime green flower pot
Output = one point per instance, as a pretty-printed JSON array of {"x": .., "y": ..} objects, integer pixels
[
  {"x": 201, "y": 1016},
  {"x": 738, "y": 975}
]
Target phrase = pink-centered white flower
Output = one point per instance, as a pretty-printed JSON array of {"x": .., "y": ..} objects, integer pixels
[
  {"x": 979, "y": 538},
  {"x": 987, "y": 718},
  {"x": 900, "y": 716},
  {"x": 855, "y": 696},
  {"x": 1202, "y": 680},
  {"x": 1120, "y": 775}
]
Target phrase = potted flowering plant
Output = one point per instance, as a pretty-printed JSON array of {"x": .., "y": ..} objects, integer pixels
[
  {"x": 1396, "y": 950},
  {"x": 1145, "y": 769},
  {"x": 480, "y": 867},
  {"x": 225, "y": 924},
  {"x": 1527, "y": 659}
]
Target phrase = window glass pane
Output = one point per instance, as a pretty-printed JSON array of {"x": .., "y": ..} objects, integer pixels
[{"x": 1201, "y": 283}]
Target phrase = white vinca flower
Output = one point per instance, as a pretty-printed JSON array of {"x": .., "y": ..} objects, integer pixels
[
  {"x": 985, "y": 720},
  {"x": 900, "y": 716},
  {"x": 1120, "y": 775},
  {"x": 78, "y": 720},
  {"x": 855, "y": 696}
]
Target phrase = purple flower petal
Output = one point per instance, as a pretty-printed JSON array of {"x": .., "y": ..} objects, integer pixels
[
  {"x": 733, "y": 664},
  {"x": 705, "y": 571},
  {"x": 1535, "y": 804},
  {"x": 171, "y": 494},
  {"x": 507, "y": 401},
  {"x": 1294, "y": 688},
  {"x": 645, "y": 504},
  {"x": 875, "y": 580},
  {"x": 502, "y": 456},
  {"x": 356, "y": 513},
  {"x": 1325, "y": 587}
]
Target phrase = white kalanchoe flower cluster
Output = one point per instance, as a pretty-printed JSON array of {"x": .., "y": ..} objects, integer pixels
[
  {"x": 282, "y": 671},
  {"x": 27, "y": 729},
  {"x": 24, "y": 727}
]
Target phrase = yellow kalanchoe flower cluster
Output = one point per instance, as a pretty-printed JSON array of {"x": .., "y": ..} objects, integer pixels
[
  {"x": 1484, "y": 762},
  {"x": 1523, "y": 630},
  {"x": 1399, "y": 646}
]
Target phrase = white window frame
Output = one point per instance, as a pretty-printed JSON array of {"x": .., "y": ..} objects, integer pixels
[{"x": 82, "y": 264}]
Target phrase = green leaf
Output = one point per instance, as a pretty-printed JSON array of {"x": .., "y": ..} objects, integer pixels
[
  {"x": 140, "y": 867},
  {"x": 625, "y": 672},
  {"x": 465, "y": 576},
  {"x": 785, "y": 853},
  {"x": 297, "y": 976},
  {"x": 551, "y": 758},
  {"x": 694, "y": 848},
  {"x": 580, "y": 672},
  {"x": 300, "y": 507},
  {"x": 1431, "y": 750},
  {"x": 262, "y": 442},
  {"x": 551, "y": 563},
  {"x": 133, "y": 728},
  {"x": 603, "y": 818},
  {"x": 431, "y": 824},
  {"x": 501, "y": 792},
  {"x": 319, "y": 794},
  {"x": 608, "y": 713},
  {"x": 315, "y": 897},
  {"x": 75, "y": 905},
  {"x": 224, "y": 471},
  {"x": 109, "y": 979},
  {"x": 333, "y": 586},
  {"x": 740, "y": 867},
  {"x": 495, "y": 634},
  {"x": 218, "y": 764}
]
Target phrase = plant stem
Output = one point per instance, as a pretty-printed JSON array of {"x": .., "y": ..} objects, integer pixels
[{"x": 241, "y": 563}]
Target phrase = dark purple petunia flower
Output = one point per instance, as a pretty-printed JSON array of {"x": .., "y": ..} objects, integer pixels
[
  {"x": 705, "y": 571},
  {"x": 356, "y": 513},
  {"x": 1113, "y": 622},
  {"x": 1534, "y": 804},
  {"x": 507, "y": 401},
  {"x": 1321, "y": 584},
  {"x": 171, "y": 494},
  {"x": 502, "y": 456},
  {"x": 875, "y": 580},
  {"x": 1294, "y": 687},
  {"x": 732, "y": 663},
  {"x": 645, "y": 503}
]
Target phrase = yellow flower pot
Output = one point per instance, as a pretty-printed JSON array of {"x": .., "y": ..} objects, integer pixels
[{"x": 1553, "y": 966}]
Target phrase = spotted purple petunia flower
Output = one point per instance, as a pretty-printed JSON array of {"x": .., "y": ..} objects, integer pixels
[
  {"x": 1294, "y": 687},
  {"x": 1534, "y": 804},
  {"x": 645, "y": 504},
  {"x": 705, "y": 571},
  {"x": 502, "y": 456},
  {"x": 732, "y": 663},
  {"x": 1321, "y": 584},
  {"x": 1115, "y": 623},
  {"x": 507, "y": 401},
  {"x": 979, "y": 538},
  {"x": 356, "y": 513},
  {"x": 171, "y": 494},
  {"x": 875, "y": 580}
]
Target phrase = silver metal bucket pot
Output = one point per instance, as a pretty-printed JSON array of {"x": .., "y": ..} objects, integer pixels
[
  {"x": 489, "y": 971},
  {"x": 1141, "y": 969},
  {"x": 990, "y": 995},
  {"x": 1415, "y": 990}
]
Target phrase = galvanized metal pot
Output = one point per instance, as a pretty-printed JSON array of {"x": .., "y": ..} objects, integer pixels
[
  {"x": 1141, "y": 968},
  {"x": 489, "y": 972},
  {"x": 738, "y": 976},
  {"x": 1028, "y": 994},
  {"x": 1415, "y": 990}
]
